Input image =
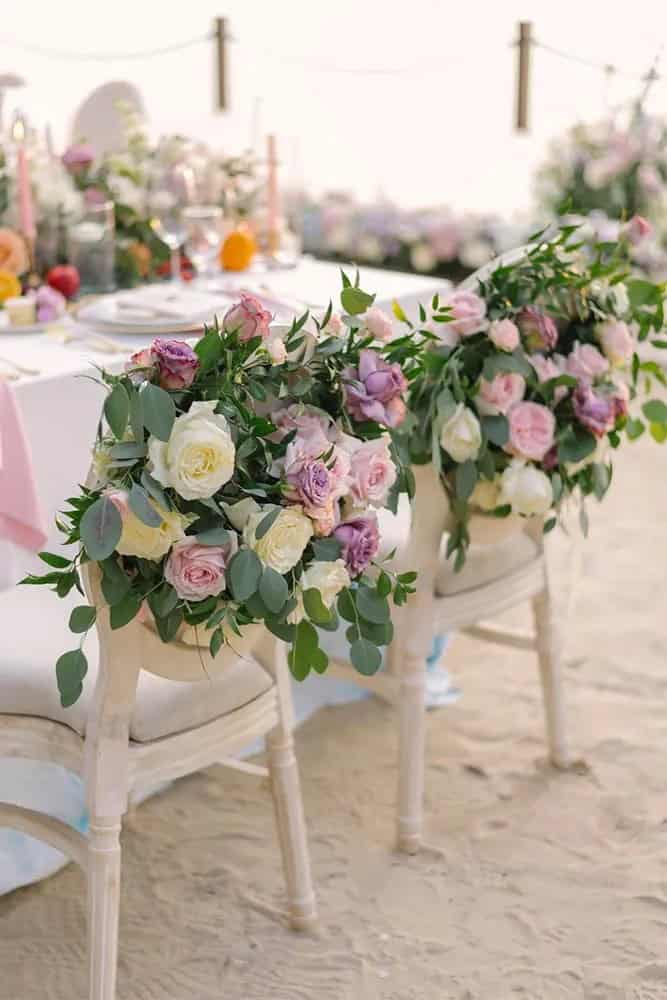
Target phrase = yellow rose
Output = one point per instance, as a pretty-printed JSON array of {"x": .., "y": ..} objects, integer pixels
[
  {"x": 199, "y": 457},
  {"x": 283, "y": 544},
  {"x": 138, "y": 539}
]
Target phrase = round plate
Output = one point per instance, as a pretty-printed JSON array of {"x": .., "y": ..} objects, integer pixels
[{"x": 31, "y": 327}]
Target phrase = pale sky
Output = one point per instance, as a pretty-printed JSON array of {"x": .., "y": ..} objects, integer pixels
[{"x": 438, "y": 131}]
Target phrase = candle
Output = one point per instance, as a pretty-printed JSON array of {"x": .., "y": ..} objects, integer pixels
[
  {"x": 26, "y": 215},
  {"x": 272, "y": 197},
  {"x": 48, "y": 138}
]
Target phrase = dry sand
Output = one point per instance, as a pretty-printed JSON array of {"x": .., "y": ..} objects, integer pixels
[{"x": 534, "y": 884}]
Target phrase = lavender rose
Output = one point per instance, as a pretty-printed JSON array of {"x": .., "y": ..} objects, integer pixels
[
  {"x": 360, "y": 541},
  {"x": 373, "y": 392},
  {"x": 51, "y": 305},
  {"x": 310, "y": 482},
  {"x": 594, "y": 411},
  {"x": 539, "y": 330},
  {"x": 177, "y": 363},
  {"x": 173, "y": 362},
  {"x": 247, "y": 318}
]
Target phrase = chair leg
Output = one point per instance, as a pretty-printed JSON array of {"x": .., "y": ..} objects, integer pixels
[
  {"x": 291, "y": 824},
  {"x": 103, "y": 906},
  {"x": 549, "y": 653},
  {"x": 412, "y": 735}
]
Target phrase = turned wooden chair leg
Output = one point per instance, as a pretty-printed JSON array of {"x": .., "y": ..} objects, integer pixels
[
  {"x": 412, "y": 735},
  {"x": 291, "y": 825},
  {"x": 548, "y": 641},
  {"x": 103, "y": 906}
]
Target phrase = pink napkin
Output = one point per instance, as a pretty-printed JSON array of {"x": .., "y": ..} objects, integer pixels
[{"x": 21, "y": 518}]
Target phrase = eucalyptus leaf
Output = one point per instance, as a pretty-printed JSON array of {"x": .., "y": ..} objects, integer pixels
[
  {"x": 314, "y": 607},
  {"x": 82, "y": 618},
  {"x": 100, "y": 529},
  {"x": 496, "y": 429},
  {"x": 372, "y": 606},
  {"x": 142, "y": 508},
  {"x": 71, "y": 668},
  {"x": 273, "y": 590},
  {"x": 365, "y": 657},
  {"x": 159, "y": 410},
  {"x": 115, "y": 582},
  {"x": 465, "y": 479},
  {"x": 655, "y": 411},
  {"x": 117, "y": 410},
  {"x": 214, "y": 536},
  {"x": 244, "y": 573},
  {"x": 125, "y": 610},
  {"x": 266, "y": 523}
]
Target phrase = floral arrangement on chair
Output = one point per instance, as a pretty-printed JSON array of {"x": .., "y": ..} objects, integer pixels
[
  {"x": 614, "y": 166},
  {"x": 238, "y": 482},
  {"x": 526, "y": 390}
]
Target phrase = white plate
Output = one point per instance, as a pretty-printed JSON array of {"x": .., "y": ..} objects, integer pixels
[{"x": 175, "y": 311}]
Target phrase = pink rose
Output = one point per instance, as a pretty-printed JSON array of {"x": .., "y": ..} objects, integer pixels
[
  {"x": 617, "y": 342},
  {"x": 637, "y": 229},
  {"x": 504, "y": 334},
  {"x": 198, "y": 571},
  {"x": 539, "y": 330},
  {"x": 335, "y": 327},
  {"x": 372, "y": 472},
  {"x": 585, "y": 361},
  {"x": 532, "y": 428},
  {"x": 77, "y": 158},
  {"x": 468, "y": 312},
  {"x": 500, "y": 394},
  {"x": 305, "y": 419},
  {"x": 378, "y": 324},
  {"x": 548, "y": 368},
  {"x": 247, "y": 318},
  {"x": 649, "y": 179}
]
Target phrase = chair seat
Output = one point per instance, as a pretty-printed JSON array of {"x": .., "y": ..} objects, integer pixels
[
  {"x": 485, "y": 564},
  {"x": 33, "y": 626}
]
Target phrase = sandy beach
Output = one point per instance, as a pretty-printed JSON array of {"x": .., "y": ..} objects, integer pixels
[{"x": 534, "y": 884}]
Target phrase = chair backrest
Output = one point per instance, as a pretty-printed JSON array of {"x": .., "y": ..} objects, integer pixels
[{"x": 98, "y": 120}]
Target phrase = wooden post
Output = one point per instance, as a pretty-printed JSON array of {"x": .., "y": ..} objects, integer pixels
[
  {"x": 220, "y": 35},
  {"x": 523, "y": 75}
]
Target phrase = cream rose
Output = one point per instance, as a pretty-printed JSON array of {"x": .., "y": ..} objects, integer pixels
[
  {"x": 283, "y": 544},
  {"x": 199, "y": 457},
  {"x": 461, "y": 435},
  {"x": 329, "y": 578},
  {"x": 486, "y": 494},
  {"x": 138, "y": 539},
  {"x": 526, "y": 488}
]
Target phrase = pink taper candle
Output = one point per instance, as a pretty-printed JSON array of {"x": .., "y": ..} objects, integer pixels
[
  {"x": 26, "y": 214},
  {"x": 272, "y": 197}
]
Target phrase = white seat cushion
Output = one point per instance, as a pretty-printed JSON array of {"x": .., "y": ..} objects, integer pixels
[
  {"x": 486, "y": 563},
  {"x": 33, "y": 626}
]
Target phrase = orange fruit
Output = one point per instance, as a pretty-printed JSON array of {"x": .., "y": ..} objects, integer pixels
[
  {"x": 238, "y": 250},
  {"x": 10, "y": 286},
  {"x": 142, "y": 258}
]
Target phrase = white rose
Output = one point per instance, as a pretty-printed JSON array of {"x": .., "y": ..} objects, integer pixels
[
  {"x": 486, "y": 494},
  {"x": 276, "y": 349},
  {"x": 199, "y": 457},
  {"x": 461, "y": 435},
  {"x": 329, "y": 578},
  {"x": 526, "y": 488},
  {"x": 283, "y": 544}
]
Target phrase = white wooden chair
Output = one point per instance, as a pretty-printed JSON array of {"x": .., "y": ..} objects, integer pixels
[
  {"x": 98, "y": 120},
  {"x": 512, "y": 562},
  {"x": 150, "y": 713}
]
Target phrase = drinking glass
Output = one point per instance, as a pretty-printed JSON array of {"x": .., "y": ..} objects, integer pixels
[
  {"x": 92, "y": 247},
  {"x": 172, "y": 189},
  {"x": 203, "y": 226}
]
